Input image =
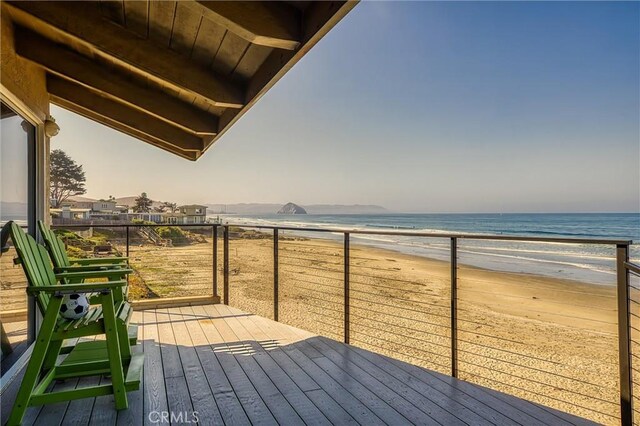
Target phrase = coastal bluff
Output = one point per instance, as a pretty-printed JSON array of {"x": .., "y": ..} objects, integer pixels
[{"x": 291, "y": 208}]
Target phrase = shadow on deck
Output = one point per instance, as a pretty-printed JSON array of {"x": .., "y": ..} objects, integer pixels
[{"x": 219, "y": 365}]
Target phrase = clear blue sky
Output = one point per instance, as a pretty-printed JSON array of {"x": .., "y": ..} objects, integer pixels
[{"x": 421, "y": 107}]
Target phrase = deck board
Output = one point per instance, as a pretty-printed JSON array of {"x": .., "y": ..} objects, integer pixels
[{"x": 235, "y": 368}]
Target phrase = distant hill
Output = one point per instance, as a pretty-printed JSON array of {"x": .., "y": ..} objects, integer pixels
[
  {"x": 78, "y": 198},
  {"x": 268, "y": 208}
]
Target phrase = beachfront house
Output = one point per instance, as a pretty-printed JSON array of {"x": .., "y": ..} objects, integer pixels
[
  {"x": 177, "y": 76},
  {"x": 188, "y": 214}
]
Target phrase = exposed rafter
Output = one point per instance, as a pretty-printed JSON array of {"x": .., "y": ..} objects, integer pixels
[
  {"x": 80, "y": 23},
  {"x": 130, "y": 120},
  {"x": 68, "y": 64},
  {"x": 272, "y": 24}
]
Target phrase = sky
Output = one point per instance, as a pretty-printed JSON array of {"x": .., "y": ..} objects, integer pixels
[{"x": 420, "y": 107}]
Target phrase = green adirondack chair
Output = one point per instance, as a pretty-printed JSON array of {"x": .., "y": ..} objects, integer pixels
[
  {"x": 63, "y": 263},
  {"x": 58, "y": 252},
  {"x": 112, "y": 356}
]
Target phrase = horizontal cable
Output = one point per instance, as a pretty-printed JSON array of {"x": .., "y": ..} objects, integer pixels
[
  {"x": 422, "y": 293},
  {"x": 509, "y": 352},
  {"x": 320, "y": 292},
  {"x": 511, "y": 374},
  {"x": 536, "y": 393},
  {"x": 534, "y": 368},
  {"x": 396, "y": 352},
  {"x": 403, "y": 336},
  {"x": 529, "y": 298},
  {"x": 447, "y": 326},
  {"x": 339, "y": 276},
  {"x": 323, "y": 307},
  {"x": 490, "y": 336},
  {"x": 446, "y": 308},
  {"x": 341, "y": 288},
  {"x": 396, "y": 307},
  {"x": 377, "y": 339},
  {"x": 554, "y": 313},
  {"x": 311, "y": 260},
  {"x": 389, "y": 279},
  {"x": 337, "y": 271},
  {"x": 297, "y": 273},
  {"x": 403, "y": 353}
]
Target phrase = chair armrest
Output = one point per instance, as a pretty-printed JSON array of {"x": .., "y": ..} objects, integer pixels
[
  {"x": 97, "y": 260},
  {"x": 109, "y": 273},
  {"x": 88, "y": 268},
  {"x": 77, "y": 288}
]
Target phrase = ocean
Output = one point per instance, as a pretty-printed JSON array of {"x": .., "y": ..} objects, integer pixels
[{"x": 583, "y": 262}]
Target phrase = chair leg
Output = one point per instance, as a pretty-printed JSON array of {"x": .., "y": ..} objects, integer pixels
[
  {"x": 123, "y": 340},
  {"x": 52, "y": 354},
  {"x": 113, "y": 350},
  {"x": 35, "y": 362}
]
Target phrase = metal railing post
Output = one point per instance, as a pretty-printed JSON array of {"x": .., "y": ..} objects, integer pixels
[
  {"x": 226, "y": 265},
  {"x": 127, "y": 228},
  {"x": 275, "y": 274},
  {"x": 214, "y": 238},
  {"x": 624, "y": 336},
  {"x": 346, "y": 288},
  {"x": 454, "y": 307}
]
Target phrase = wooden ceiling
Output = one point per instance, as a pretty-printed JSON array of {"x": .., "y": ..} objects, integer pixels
[{"x": 175, "y": 74}]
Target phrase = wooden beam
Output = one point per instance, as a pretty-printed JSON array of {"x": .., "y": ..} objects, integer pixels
[
  {"x": 68, "y": 64},
  {"x": 272, "y": 24},
  {"x": 120, "y": 116},
  {"x": 80, "y": 24},
  {"x": 189, "y": 155}
]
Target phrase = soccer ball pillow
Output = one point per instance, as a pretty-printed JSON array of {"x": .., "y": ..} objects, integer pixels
[{"x": 74, "y": 306}]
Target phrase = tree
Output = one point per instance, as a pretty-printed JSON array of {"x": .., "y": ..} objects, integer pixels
[
  {"x": 169, "y": 205},
  {"x": 67, "y": 177},
  {"x": 143, "y": 204}
]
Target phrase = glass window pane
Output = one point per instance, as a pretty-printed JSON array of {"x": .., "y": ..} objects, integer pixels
[{"x": 16, "y": 140}]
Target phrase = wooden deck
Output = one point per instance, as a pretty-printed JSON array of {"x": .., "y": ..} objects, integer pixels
[{"x": 231, "y": 367}]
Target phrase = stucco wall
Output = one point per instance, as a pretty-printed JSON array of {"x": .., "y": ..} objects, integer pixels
[{"x": 22, "y": 79}]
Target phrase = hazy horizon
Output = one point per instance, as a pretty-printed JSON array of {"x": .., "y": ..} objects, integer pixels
[{"x": 420, "y": 108}]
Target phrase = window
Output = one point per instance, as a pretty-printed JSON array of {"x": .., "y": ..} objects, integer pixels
[{"x": 17, "y": 203}]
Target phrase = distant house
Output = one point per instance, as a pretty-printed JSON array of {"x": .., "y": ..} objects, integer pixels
[
  {"x": 189, "y": 214},
  {"x": 70, "y": 213},
  {"x": 102, "y": 206},
  {"x": 95, "y": 206}
]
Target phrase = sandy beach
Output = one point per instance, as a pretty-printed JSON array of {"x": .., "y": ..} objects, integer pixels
[{"x": 548, "y": 340}]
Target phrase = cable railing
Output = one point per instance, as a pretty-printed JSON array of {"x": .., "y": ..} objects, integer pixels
[
  {"x": 568, "y": 346},
  {"x": 631, "y": 404}
]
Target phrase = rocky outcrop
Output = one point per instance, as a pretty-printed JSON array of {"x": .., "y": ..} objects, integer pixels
[{"x": 291, "y": 208}]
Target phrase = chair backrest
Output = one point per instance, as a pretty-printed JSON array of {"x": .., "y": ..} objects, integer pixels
[
  {"x": 35, "y": 263},
  {"x": 54, "y": 245}
]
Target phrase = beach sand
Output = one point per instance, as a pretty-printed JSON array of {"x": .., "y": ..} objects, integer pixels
[{"x": 547, "y": 340}]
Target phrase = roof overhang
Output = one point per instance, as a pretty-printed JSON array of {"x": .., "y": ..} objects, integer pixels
[{"x": 176, "y": 75}]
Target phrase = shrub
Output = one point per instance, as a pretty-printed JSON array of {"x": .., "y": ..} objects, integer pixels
[{"x": 172, "y": 232}]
